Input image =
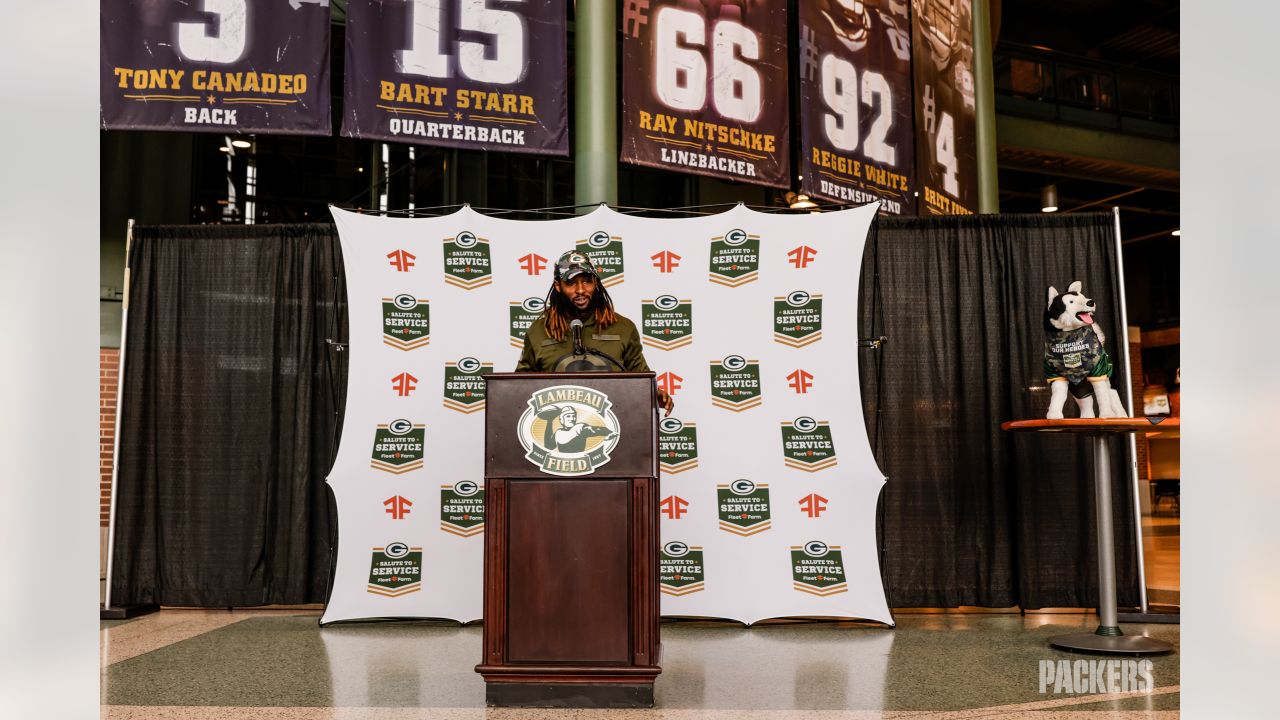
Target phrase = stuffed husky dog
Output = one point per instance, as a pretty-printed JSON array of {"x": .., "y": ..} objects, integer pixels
[{"x": 1075, "y": 360}]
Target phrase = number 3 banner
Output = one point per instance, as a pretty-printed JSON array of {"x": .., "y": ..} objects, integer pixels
[
  {"x": 458, "y": 73},
  {"x": 705, "y": 88},
  {"x": 946, "y": 125},
  {"x": 856, "y": 136},
  {"x": 225, "y": 66}
]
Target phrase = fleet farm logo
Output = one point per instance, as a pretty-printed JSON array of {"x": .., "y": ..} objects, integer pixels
[
  {"x": 666, "y": 322},
  {"x": 677, "y": 445},
  {"x": 818, "y": 569},
  {"x": 744, "y": 507},
  {"x": 464, "y": 385},
  {"x": 523, "y": 313},
  {"x": 797, "y": 319},
  {"x": 462, "y": 508},
  {"x": 398, "y": 447},
  {"x": 807, "y": 445},
  {"x": 735, "y": 258},
  {"x": 605, "y": 251},
  {"x": 680, "y": 569},
  {"x": 466, "y": 261},
  {"x": 396, "y": 570},
  {"x": 406, "y": 322},
  {"x": 568, "y": 430},
  {"x": 735, "y": 383}
]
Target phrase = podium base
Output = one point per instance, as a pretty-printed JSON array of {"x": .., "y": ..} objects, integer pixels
[
  {"x": 124, "y": 612},
  {"x": 569, "y": 695}
]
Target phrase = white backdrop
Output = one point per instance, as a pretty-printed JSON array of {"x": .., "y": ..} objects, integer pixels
[{"x": 770, "y": 513}]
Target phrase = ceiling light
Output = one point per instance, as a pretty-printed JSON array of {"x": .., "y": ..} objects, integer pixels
[
  {"x": 241, "y": 143},
  {"x": 1049, "y": 198},
  {"x": 225, "y": 149},
  {"x": 1177, "y": 233},
  {"x": 801, "y": 202}
]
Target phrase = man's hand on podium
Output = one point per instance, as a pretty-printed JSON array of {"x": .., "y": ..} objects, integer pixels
[{"x": 666, "y": 402}]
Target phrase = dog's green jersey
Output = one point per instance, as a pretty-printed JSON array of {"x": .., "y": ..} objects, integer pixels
[
  {"x": 621, "y": 341},
  {"x": 1075, "y": 355}
]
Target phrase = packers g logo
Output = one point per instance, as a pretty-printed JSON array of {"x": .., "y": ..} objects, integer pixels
[
  {"x": 598, "y": 240},
  {"x": 742, "y": 487},
  {"x": 735, "y": 237},
  {"x": 675, "y": 548},
  {"x": 805, "y": 424},
  {"x": 816, "y": 548},
  {"x": 469, "y": 365},
  {"x": 396, "y": 550},
  {"x": 465, "y": 239},
  {"x": 533, "y": 305},
  {"x": 466, "y": 488},
  {"x": 799, "y": 298},
  {"x": 733, "y": 363},
  {"x": 670, "y": 425},
  {"x": 399, "y": 427},
  {"x": 405, "y": 301},
  {"x": 666, "y": 302}
]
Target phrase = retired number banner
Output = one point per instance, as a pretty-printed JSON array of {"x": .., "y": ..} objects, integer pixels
[
  {"x": 458, "y": 73},
  {"x": 705, "y": 88},
  {"x": 946, "y": 126},
  {"x": 856, "y": 136},
  {"x": 226, "y": 66}
]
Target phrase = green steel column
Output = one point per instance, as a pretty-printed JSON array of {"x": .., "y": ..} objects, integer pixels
[
  {"x": 985, "y": 102},
  {"x": 595, "y": 146}
]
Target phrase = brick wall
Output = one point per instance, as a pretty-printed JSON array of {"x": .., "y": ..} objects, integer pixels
[{"x": 108, "y": 375}]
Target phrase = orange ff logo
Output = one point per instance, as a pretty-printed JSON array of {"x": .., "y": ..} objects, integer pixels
[{"x": 802, "y": 256}]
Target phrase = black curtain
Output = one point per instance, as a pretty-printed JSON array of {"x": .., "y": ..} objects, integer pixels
[
  {"x": 973, "y": 515},
  {"x": 229, "y": 415}
]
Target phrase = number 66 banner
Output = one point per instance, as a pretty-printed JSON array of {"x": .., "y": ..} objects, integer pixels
[
  {"x": 458, "y": 73},
  {"x": 705, "y": 88}
]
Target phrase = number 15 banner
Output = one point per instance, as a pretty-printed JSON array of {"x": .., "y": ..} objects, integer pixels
[
  {"x": 458, "y": 73},
  {"x": 225, "y": 66},
  {"x": 705, "y": 88}
]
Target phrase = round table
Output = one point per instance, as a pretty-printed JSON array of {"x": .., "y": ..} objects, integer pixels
[{"x": 1108, "y": 638}]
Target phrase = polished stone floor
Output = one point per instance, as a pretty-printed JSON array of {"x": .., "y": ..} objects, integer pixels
[{"x": 279, "y": 665}]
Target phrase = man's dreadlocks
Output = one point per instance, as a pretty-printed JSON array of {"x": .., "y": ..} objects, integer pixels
[{"x": 559, "y": 311}]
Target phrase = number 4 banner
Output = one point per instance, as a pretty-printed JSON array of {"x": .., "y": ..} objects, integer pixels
[
  {"x": 705, "y": 88},
  {"x": 856, "y": 137},
  {"x": 458, "y": 73},
  {"x": 225, "y": 66},
  {"x": 946, "y": 125}
]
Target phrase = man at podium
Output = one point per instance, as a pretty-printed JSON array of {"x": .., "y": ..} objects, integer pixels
[{"x": 579, "y": 331}]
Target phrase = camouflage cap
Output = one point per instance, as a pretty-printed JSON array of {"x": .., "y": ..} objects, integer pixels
[{"x": 574, "y": 263}]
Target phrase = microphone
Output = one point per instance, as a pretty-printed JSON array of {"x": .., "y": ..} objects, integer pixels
[{"x": 576, "y": 327}]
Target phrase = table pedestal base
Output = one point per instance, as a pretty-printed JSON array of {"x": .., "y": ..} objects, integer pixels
[{"x": 1116, "y": 644}]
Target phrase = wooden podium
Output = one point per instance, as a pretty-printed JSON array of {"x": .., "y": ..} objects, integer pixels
[{"x": 571, "y": 540}]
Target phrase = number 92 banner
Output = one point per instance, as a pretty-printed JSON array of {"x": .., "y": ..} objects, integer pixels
[
  {"x": 856, "y": 136},
  {"x": 705, "y": 88},
  {"x": 458, "y": 73},
  {"x": 227, "y": 66},
  {"x": 946, "y": 124}
]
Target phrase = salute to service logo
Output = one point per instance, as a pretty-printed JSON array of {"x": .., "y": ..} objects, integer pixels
[
  {"x": 677, "y": 445},
  {"x": 406, "y": 322},
  {"x": 807, "y": 445},
  {"x": 464, "y": 388},
  {"x": 818, "y": 569},
  {"x": 466, "y": 261},
  {"x": 667, "y": 322},
  {"x": 744, "y": 507},
  {"x": 680, "y": 569},
  {"x": 797, "y": 319},
  {"x": 462, "y": 508},
  {"x": 568, "y": 430},
  {"x": 523, "y": 313},
  {"x": 397, "y": 447},
  {"x": 396, "y": 570},
  {"x": 735, "y": 258},
  {"x": 735, "y": 383},
  {"x": 605, "y": 251}
]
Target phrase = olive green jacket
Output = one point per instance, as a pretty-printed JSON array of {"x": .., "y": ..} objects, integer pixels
[{"x": 620, "y": 341}]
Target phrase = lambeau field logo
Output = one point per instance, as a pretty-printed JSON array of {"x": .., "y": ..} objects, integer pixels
[
  {"x": 818, "y": 568},
  {"x": 523, "y": 313},
  {"x": 568, "y": 430},
  {"x": 464, "y": 388},
  {"x": 807, "y": 445},
  {"x": 735, "y": 383},
  {"x": 605, "y": 251},
  {"x": 466, "y": 261},
  {"x": 797, "y": 319},
  {"x": 677, "y": 445},
  {"x": 680, "y": 569},
  {"x": 462, "y": 508},
  {"x": 744, "y": 507},
  {"x": 735, "y": 258},
  {"x": 396, "y": 570},
  {"x": 406, "y": 322},
  {"x": 398, "y": 447},
  {"x": 666, "y": 322}
]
